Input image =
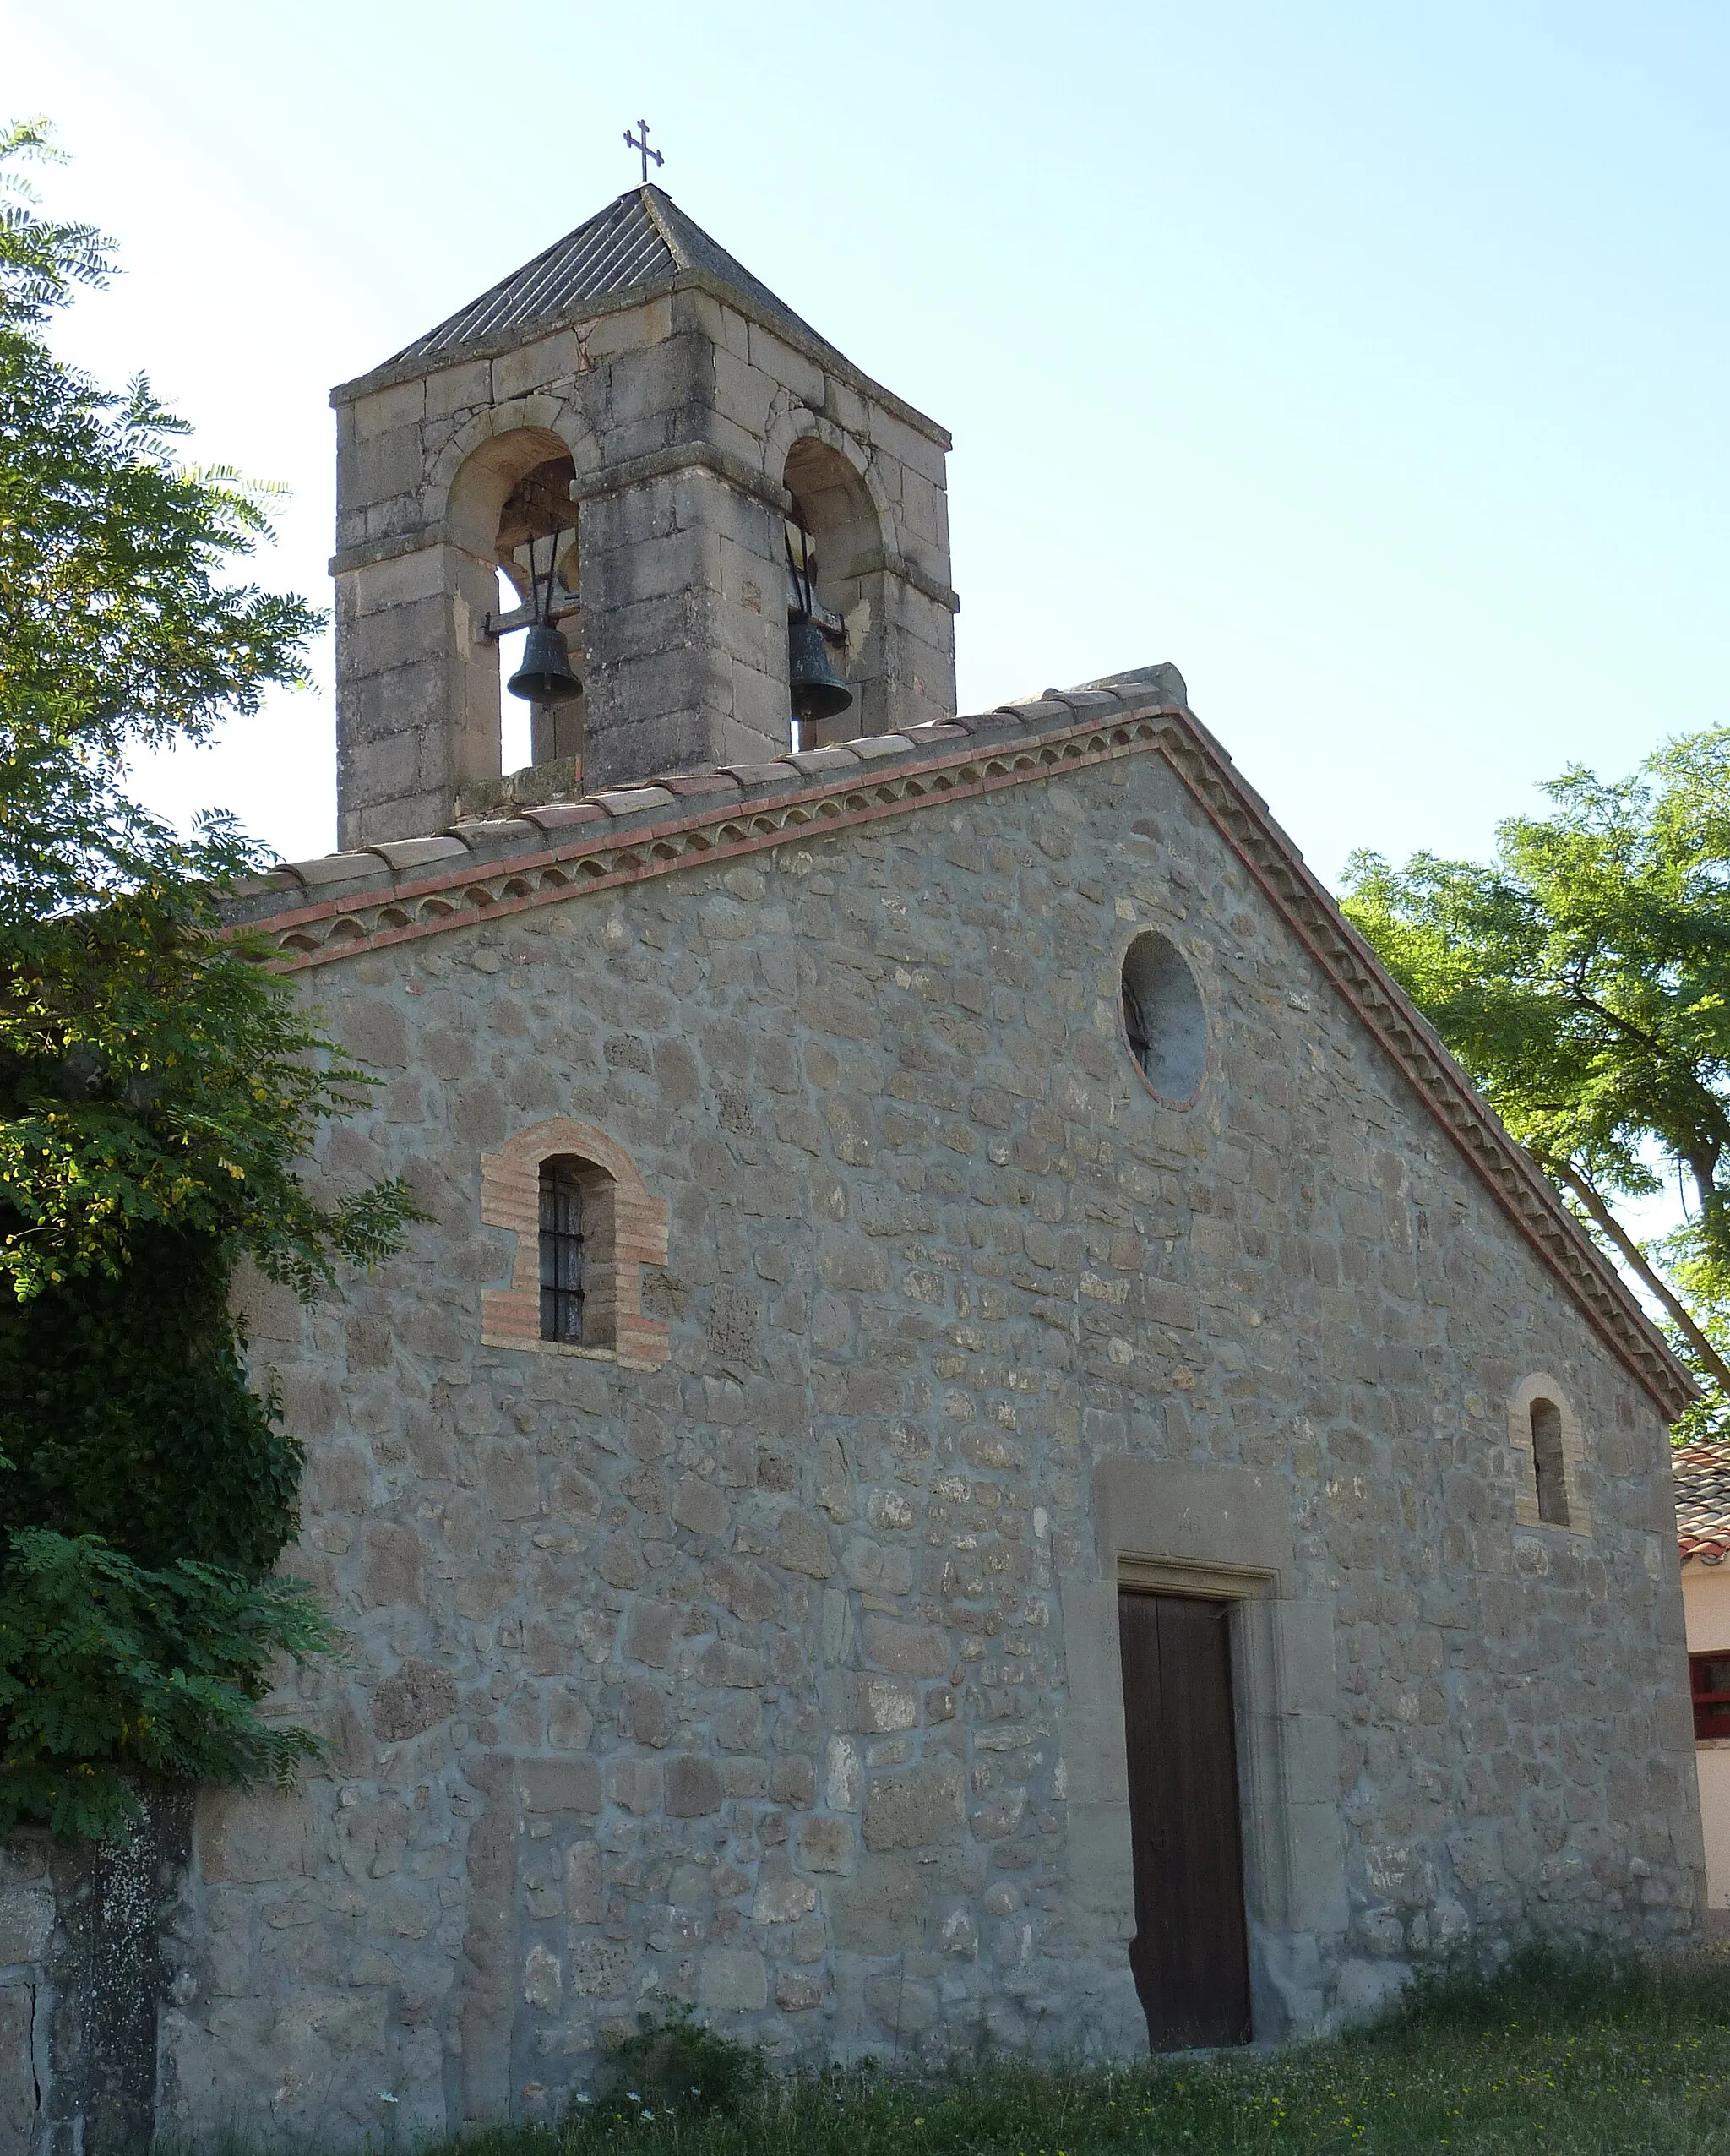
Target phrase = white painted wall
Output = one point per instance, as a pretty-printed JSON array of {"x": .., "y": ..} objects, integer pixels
[{"x": 1706, "y": 1598}]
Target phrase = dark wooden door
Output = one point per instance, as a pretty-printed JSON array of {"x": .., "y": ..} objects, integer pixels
[{"x": 1190, "y": 1956}]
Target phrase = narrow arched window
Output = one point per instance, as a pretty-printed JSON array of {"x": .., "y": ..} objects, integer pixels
[
  {"x": 1547, "y": 1463},
  {"x": 562, "y": 1250}
]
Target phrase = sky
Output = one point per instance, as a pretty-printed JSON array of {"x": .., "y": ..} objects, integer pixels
[{"x": 1365, "y": 360}]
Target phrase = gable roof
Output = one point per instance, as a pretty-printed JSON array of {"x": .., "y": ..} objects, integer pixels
[
  {"x": 398, "y": 891},
  {"x": 642, "y": 241},
  {"x": 1702, "y": 1473}
]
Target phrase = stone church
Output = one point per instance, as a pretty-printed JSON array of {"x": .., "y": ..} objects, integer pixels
[{"x": 985, "y": 1441}]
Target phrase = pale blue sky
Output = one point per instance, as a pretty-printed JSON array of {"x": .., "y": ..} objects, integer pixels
[{"x": 1366, "y": 360}]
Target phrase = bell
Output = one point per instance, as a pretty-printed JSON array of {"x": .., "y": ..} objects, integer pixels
[
  {"x": 545, "y": 675},
  {"x": 819, "y": 691}
]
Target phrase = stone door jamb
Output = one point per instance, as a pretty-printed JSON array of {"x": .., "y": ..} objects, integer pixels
[{"x": 1184, "y": 1527}]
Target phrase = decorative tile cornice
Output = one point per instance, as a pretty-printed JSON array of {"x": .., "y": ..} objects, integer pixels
[{"x": 314, "y": 912}]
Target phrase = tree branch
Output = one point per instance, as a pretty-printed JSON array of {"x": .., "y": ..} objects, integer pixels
[
  {"x": 1565, "y": 1171},
  {"x": 1614, "y": 1018}
]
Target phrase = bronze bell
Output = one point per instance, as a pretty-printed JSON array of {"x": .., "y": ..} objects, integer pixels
[
  {"x": 819, "y": 691},
  {"x": 544, "y": 677}
]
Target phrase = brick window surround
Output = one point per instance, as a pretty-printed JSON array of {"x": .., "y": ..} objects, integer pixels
[
  {"x": 623, "y": 1230},
  {"x": 1541, "y": 1386}
]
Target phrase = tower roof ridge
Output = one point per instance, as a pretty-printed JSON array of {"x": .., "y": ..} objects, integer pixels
[{"x": 639, "y": 240}]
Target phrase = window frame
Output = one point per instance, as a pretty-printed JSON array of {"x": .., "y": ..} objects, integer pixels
[
  {"x": 565, "y": 1191},
  {"x": 1700, "y": 1698},
  {"x": 1569, "y": 1459},
  {"x": 624, "y": 1228}
]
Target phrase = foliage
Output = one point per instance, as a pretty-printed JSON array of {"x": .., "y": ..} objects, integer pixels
[
  {"x": 115, "y": 626},
  {"x": 111, "y": 1674},
  {"x": 1576, "y": 2056},
  {"x": 158, "y": 1087},
  {"x": 150, "y": 1073},
  {"x": 673, "y": 2065},
  {"x": 1583, "y": 978},
  {"x": 151, "y": 1076},
  {"x": 125, "y": 1412}
]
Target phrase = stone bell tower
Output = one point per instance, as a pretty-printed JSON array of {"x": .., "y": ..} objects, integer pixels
[{"x": 635, "y": 404}]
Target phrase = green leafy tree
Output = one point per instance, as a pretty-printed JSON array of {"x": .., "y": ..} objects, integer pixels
[
  {"x": 157, "y": 1088},
  {"x": 1582, "y": 978}
]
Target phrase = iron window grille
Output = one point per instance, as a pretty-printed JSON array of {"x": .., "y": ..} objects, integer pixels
[{"x": 561, "y": 1251}]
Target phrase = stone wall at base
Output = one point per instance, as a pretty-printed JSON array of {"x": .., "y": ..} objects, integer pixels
[
  {"x": 87, "y": 1957},
  {"x": 782, "y": 1678}
]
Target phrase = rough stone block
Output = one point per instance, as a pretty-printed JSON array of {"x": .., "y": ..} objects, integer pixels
[
  {"x": 26, "y": 1924},
  {"x": 253, "y": 1837},
  {"x": 19, "y": 2095},
  {"x": 881, "y": 1909},
  {"x": 693, "y": 1786},
  {"x": 917, "y": 1807},
  {"x": 700, "y": 1506},
  {"x": 559, "y": 1784},
  {"x": 805, "y": 1545},
  {"x": 913, "y": 1650},
  {"x": 732, "y": 1979},
  {"x": 417, "y": 1698},
  {"x": 826, "y": 1844},
  {"x": 879, "y": 1704}
]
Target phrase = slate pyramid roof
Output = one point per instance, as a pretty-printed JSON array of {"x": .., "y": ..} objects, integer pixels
[{"x": 641, "y": 241}]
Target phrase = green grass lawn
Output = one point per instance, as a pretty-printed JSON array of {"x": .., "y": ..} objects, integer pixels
[{"x": 1560, "y": 2057}]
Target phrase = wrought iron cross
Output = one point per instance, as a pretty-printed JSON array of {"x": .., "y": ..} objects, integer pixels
[{"x": 642, "y": 146}]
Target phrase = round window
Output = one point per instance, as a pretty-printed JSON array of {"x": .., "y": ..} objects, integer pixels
[{"x": 1163, "y": 1018}]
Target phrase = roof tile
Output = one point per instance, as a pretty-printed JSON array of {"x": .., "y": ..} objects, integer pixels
[
  {"x": 815, "y": 761},
  {"x": 753, "y": 777},
  {"x": 630, "y": 800},
  {"x": 1702, "y": 1473},
  {"x": 338, "y": 868},
  {"x": 410, "y": 853},
  {"x": 560, "y": 815},
  {"x": 871, "y": 747}
]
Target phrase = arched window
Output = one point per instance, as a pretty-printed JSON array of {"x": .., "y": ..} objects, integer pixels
[
  {"x": 1549, "y": 1476},
  {"x": 510, "y": 517},
  {"x": 562, "y": 1249},
  {"x": 835, "y": 551},
  {"x": 1165, "y": 1020},
  {"x": 584, "y": 1226},
  {"x": 1548, "y": 1452},
  {"x": 536, "y": 546}
]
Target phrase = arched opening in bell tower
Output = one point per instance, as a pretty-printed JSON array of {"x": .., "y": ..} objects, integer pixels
[
  {"x": 537, "y": 551},
  {"x": 511, "y": 514},
  {"x": 833, "y": 548}
]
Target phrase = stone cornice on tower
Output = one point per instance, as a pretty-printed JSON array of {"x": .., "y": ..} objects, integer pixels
[{"x": 319, "y": 911}]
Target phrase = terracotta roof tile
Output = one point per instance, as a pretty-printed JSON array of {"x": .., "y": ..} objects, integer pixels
[{"x": 1702, "y": 1473}]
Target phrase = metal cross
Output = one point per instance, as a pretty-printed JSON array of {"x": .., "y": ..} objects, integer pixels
[{"x": 632, "y": 143}]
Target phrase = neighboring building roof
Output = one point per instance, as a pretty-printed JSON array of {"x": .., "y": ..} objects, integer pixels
[
  {"x": 399, "y": 890},
  {"x": 639, "y": 243},
  {"x": 1702, "y": 1473}
]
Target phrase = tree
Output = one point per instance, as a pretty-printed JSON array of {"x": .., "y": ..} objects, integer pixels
[
  {"x": 1583, "y": 979},
  {"x": 158, "y": 1087}
]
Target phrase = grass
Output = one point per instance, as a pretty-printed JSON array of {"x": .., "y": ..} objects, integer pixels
[{"x": 1570, "y": 2057}]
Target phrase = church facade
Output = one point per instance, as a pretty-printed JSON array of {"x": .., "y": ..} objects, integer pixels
[{"x": 984, "y": 1441}]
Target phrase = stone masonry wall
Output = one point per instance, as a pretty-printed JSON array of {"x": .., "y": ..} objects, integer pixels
[{"x": 745, "y": 1680}]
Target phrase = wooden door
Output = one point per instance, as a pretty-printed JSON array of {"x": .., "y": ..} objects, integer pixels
[{"x": 1191, "y": 1954}]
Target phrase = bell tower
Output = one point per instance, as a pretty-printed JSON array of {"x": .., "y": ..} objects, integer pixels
[{"x": 632, "y": 442}]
